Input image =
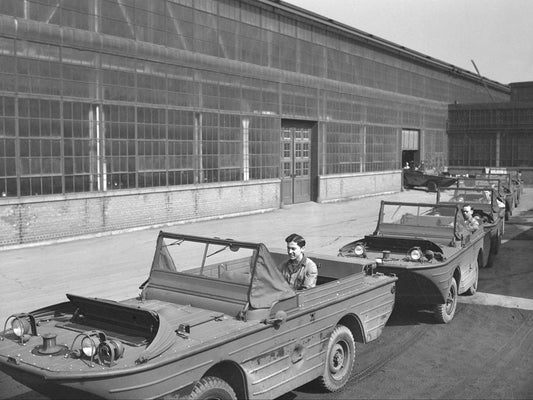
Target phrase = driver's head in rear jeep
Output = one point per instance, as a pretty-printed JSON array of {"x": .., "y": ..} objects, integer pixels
[{"x": 471, "y": 223}]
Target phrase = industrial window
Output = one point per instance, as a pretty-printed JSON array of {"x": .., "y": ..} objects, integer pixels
[
  {"x": 80, "y": 147},
  {"x": 119, "y": 147},
  {"x": 264, "y": 147},
  {"x": 380, "y": 148},
  {"x": 40, "y": 147},
  {"x": 151, "y": 147},
  {"x": 38, "y": 68},
  {"x": 182, "y": 148},
  {"x": 343, "y": 148},
  {"x": 8, "y": 173}
]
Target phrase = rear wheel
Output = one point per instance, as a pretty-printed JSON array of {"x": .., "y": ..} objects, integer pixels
[
  {"x": 212, "y": 388},
  {"x": 444, "y": 312},
  {"x": 340, "y": 359}
]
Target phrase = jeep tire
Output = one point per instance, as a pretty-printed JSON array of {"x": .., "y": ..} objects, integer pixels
[{"x": 340, "y": 360}]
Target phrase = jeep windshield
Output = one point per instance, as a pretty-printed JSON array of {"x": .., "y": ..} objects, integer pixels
[
  {"x": 463, "y": 196},
  {"x": 411, "y": 219}
]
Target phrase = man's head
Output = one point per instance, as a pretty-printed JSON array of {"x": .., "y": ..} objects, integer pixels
[
  {"x": 295, "y": 246},
  {"x": 467, "y": 211}
]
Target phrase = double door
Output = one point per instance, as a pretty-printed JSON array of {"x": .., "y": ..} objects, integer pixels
[{"x": 296, "y": 164}]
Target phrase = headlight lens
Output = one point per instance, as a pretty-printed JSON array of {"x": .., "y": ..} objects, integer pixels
[
  {"x": 20, "y": 326},
  {"x": 359, "y": 250},
  {"x": 415, "y": 254},
  {"x": 89, "y": 345}
]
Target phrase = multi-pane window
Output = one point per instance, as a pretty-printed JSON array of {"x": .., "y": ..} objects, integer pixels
[
  {"x": 118, "y": 78},
  {"x": 299, "y": 101},
  {"x": 151, "y": 142},
  {"x": 381, "y": 151},
  {"x": 343, "y": 148},
  {"x": 120, "y": 147},
  {"x": 38, "y": 68},
  {"x": 78, "y": 73},
  {"x": 40, "y": 147},
  {"x": 8, "y": 172},
  {"x": 9, "y": 66},
  {"x": 264, "y": 147},
  {"x": 182, "y": 148},
  {"x": 221, "y": 147},
  {"x": 80, "y": 132}
]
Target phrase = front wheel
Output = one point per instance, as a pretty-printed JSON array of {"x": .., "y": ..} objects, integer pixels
[
  {"x": 212, "y": 388},
  {"x": 444, "y": 312},
  {"x": 340, "y": 359}
]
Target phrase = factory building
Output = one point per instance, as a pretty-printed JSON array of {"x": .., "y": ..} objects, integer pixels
[
  {"x": 493, "y": 134},
  {"x": 123, "y": 114}
]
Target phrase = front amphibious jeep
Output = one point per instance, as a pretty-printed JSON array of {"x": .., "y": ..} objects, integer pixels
[{"x": 214, "y": 318}]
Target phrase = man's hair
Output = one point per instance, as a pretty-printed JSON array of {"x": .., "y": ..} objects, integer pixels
[{"x": 294, "y": 237}]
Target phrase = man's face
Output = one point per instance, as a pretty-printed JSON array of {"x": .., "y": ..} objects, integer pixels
[
  {"x": 467, "y": 211},
  {"x": 294, "y": 251}
]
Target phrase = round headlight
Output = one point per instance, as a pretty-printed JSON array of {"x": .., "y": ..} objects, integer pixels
[
  {"x": 20, "y": 326},
  {"x": 89, "y": 346},
  {"x": 359, "y": 249},
  {"x": 415, "y": 254}
]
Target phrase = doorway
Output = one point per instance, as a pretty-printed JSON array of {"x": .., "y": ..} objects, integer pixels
[
  {"x": 296, "y": 162},
  {"x": 410, "y": 147}
]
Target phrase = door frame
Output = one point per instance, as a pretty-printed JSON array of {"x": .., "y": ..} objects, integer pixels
[{"x": 313, "y": 155}]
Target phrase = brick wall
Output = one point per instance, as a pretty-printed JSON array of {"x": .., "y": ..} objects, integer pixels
[
  {"x": 48, "y": 218},
  {"x": 344, "y": 187}
]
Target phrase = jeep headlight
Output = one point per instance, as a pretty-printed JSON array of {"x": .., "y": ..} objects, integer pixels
[
  {"x": 415, "y": 254},
  {"x": 359, "y": 250},
  {"x": 20, "y": 327},
  {"x": 89, "y": 345},
  {"x": 23, "y": 326},
  {"x": 96, "y": 346}
]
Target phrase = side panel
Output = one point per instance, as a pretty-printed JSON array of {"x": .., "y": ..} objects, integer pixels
[{"x": 295, "y": 353}]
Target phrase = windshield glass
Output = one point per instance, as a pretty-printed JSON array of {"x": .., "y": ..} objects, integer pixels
[
  {"x": 505, "y": 179},
  {"x": 418, "y": 215},
  {"x": 462, "y": 195},
  {"x": 211, "y": 260},
  {"x": 479, "y": 183}
]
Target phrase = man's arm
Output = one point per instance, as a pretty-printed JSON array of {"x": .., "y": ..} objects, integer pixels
[{"x": 311, "y": 274}]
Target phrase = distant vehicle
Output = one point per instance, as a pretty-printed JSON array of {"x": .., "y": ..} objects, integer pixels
[
  {"x": 492, "y": 182},
  {"x": 415, "y": 178},
  {"x": 510, "y": 185},
  {"x": 484, "y": 202},
  {"x": 214, "y": 320},
  {"x": 430, "y": 249}
]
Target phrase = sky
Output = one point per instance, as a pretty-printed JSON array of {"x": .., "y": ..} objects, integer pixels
[{"x": 496, "y": 34}]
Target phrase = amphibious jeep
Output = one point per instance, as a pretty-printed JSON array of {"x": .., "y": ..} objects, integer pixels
[
  {"x": 430, "y": 248},
  {"x": 214, "y": 319}
]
